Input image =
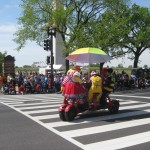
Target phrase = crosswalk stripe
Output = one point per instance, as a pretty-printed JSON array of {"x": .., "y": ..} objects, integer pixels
[
  {"x": 106, "y": 128},
  {"x": 135, "y": 106},
  {"x": 129, "y": 102},
  {"x": 10, "y": 102},
  {"x": 94, "y": 119},
  {"x": 120, "y": 142},
  {"x": 46, "y": 117},
  {"x": 130, "y": 96},
  {"x": 45, "y": 106},
  {"x": 27, "y": 99},
  {"x": 34, "y": 104},
  {"x": 40, "y": 111}
]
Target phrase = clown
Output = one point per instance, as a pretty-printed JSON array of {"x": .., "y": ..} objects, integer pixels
[
  {"x": 73, "y": 87},
  {"x": 70, "y": 75},
  {"x": 96, "y": 86}
]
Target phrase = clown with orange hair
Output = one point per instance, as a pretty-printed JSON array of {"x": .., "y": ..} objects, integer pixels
[
  {"x": 72, "y": 84},
  {"x": 70, "y": 75}
]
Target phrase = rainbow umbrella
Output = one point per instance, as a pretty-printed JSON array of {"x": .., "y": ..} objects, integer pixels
[{"x": 89, "y": 55}]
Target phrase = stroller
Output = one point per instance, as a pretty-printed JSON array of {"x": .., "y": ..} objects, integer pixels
[{"x": 12, "y": 89}]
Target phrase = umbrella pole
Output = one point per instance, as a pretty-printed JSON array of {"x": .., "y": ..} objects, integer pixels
[
  {"x": 89, "y": 72},
  {"x": 101, "y": 67}
]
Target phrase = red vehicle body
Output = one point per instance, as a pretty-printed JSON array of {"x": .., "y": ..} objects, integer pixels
[{"x": 72, "y": 107}]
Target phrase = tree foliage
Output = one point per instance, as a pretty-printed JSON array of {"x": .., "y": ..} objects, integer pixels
[
  {"x": 125, "y": 31},
  {"x": 37, "y": 15},
  {"x": 111, "y": 25},
  {"x": 2, "y": 55},
  {"x": 68, "y": 21}
]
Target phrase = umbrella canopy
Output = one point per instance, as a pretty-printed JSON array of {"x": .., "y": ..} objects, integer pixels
[{"x": 89, "y": 55}]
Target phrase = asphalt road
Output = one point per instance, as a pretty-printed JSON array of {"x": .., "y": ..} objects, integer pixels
[
  {"x": 31, "y": 122},
  {"x": 18, "y": 132}
]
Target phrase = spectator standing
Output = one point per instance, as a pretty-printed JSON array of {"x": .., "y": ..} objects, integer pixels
[{"x": 1, "y": 82}]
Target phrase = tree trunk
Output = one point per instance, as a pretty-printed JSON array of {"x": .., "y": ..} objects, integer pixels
[
  {"x": 136, "y": 59},
  {"x": 67, "y": 65}
]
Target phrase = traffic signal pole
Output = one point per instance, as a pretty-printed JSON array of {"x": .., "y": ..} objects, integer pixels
[
  {"x": 48, "y": 46},
  {"x": 51, "y": 58}
]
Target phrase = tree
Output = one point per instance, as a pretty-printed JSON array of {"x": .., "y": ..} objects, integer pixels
[
  {"x": 120, "y": 65},
  {"x": 145, "y": 66},
  {"x": 125, "y": 30},
  {"x": 130, "y": 66},
  {"x": 68, "y": 21},
  {"x": 2, "y": 55},
  {"x": 27, "y": 66},
  {"x": 138, "y": 39}
]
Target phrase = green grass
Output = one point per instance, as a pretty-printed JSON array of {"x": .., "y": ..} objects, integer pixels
[{"x": 127, "y": 70}]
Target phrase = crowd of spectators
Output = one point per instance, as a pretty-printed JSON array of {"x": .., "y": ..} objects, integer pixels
[
  {"x": 139, "y": 79},
  {"x": 34, "y": 83}
]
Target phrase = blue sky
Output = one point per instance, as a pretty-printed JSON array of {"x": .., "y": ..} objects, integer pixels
[{"x": 10, "y": 11}]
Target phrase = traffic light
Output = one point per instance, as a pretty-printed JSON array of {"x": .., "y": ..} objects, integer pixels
[
  {"x": 48, "y": 60},
  {"x": 46, "y": 44}
]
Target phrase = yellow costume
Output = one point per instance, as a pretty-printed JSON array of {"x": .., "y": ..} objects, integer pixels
[{"x": 96, "y": 86}]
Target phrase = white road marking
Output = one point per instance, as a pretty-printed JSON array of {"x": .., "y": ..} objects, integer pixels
[
  {"x": 43, "y": 106},
  {"x": 120, "y": 142},
  {"x": 47, "y": 116},
  {"x": 131, "y": 96},
  {"x": 40, "y": 111},
  {"x": 106, "y": 128},
  {"x": 114, "y": 144},
  {"x": 30, "y": 104},
  {"x": 100, "y": 118}
]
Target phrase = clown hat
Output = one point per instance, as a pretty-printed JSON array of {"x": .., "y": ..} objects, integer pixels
[
  {"x": 93, "y": 73},
  {"x": 77, "y": 68}
]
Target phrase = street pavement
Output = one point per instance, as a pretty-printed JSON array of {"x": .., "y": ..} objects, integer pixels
[{"x": 31, "y": 122}]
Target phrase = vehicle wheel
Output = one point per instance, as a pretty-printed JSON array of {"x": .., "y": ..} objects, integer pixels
[
  {"x": 71, "y": 114},
  {"x": 62, "y": 116},
  {"x": 114, "y": 108}
]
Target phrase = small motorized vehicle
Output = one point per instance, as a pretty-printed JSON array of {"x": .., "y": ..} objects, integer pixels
[{"x": 73, "y": 106}]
